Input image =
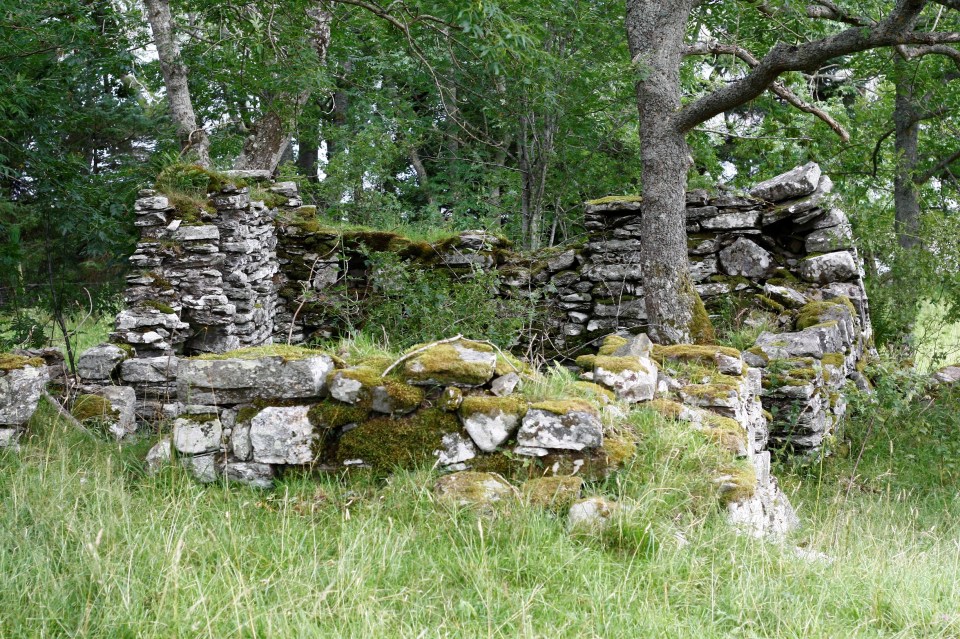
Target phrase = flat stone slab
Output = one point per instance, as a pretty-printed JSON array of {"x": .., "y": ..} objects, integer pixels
[
  {"x": 795, "y": 183},
  {"x": 574, "y": 430},
  {"x": 240, "y": 381}
]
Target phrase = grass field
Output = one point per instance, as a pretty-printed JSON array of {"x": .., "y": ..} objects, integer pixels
[{"x": 92, "y": 547}]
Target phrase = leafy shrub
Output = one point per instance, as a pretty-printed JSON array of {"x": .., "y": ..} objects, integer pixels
[{"x": 413, "y": 305}]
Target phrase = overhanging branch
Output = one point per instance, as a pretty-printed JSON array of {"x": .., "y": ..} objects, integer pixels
[{"x": 777, "y": 88}]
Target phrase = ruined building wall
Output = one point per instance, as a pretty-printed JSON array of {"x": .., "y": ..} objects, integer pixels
[{"x": 237, "y": 272}]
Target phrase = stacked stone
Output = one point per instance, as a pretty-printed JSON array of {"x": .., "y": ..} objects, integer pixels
[
  {"x": 22, "y": 382},
  {"x": 452, "y": 404},
  {"x": 247, "y": 241}
]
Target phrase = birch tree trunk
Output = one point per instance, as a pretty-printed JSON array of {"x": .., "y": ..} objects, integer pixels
[{"x": 192, "y": 137}]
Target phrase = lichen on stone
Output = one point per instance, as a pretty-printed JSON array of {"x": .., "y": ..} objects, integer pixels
[
  {"x": 11, "y": 362},
  {"x": 451, "y": 363}
]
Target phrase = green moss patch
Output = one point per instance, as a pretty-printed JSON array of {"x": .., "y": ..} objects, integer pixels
[
  {"x": 819, "y": 313},
  {"x": 611, "y": 343},
  {"x": 739, "y": 483},
  {"x": 288, "y": 353},
  {"x": 489, "y": 405},
  {"x": 87, "y": 407},
  {"x": 334, "y": 414},
  {"x": 385, "y": 443},
  {"x": 564, "y": 406},
  {"x": 555, "y": 493},
  {"x": 11, "y": 362},
  {"x": 158, "y": 306},
  {"x": 593, "y": 392}
]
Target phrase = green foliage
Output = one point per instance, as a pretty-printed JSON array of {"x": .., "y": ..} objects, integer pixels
[{"x": 414, "y": 305}]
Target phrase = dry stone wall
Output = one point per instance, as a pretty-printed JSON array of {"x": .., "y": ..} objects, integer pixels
[{"x": 238, "y": 273}]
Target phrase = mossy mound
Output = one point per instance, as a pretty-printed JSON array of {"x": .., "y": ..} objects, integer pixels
[
  {"x": 564, "y": 406},
  {"x": 192, "y": 178},
  {"x": 87, "y": 407},
  {"x": 460, "y": 363},
  {"x": 11, "y": 362},
  {"x": 489, "y": 405},
  {"x": 817, "y": 313},
  {"x": 270, "y": 199},
  {"x": 593, "y": 392},
  {"x": 158, "y": 306},
  {"x": 611, "y": 363},
  {"x": 556, "y": 493},
  {"x": 727, "y": 433},
  {"x": 450, "y": 399},
  {"x": 701, "y": 353},
  {"x": 666, "y": 407},
  {"x": 190, "y": 209},
  {"x": 836, "y": 360},
  {"x": 385, "y": 443},
  {"x": 701, "y": 328}
]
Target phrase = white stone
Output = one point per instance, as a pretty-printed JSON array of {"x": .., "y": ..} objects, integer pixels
[
  {"x": 99, "y": 362},
  {"x": 123, "y": 399},
  {"x": 192, "y": 437},
  {"x": 149, "y": 370},
  {"x": 591, "y": 514},
  {"x": 20, "y": 391},
  {"x": 505, "y": 384},
  {"x": 282, "y": 435},
  {"x": 629, "y": 385},
  {"x": 746, "y": 258},
  {"x": 455, "y": 449},
  {"x": 249, "y": 473},
  {"x": 159, "y": 455},
  {"x": 575, "y": 430},
  {"x": 731, "y": 221},
  {"x": 490, "y": 430},
  {"x": 831, "y": 267}
]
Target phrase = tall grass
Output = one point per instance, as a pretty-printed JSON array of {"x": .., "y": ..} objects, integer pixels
[{"x": 92, "y": 547}]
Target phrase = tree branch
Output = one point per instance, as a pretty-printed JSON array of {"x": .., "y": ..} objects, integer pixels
[
  {"x": 827, "y": 10},
  {"x": 933, "y": 49},
  {"x": 939, "y": 166},
  {"x": 707, "y": 48},
  {"x": 896, "y": 28}
]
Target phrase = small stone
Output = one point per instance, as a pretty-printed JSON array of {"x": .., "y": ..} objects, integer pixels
[
  {"x": 728, "y": 365},
  {"x": 946, "y": 376},
  {"x": 150, "y": 370},
  {"x": 461, "y": 363},
  {"x": 202, "y": 467},
  {"x": 455, "y": 449},
  {"x": 159, "y": 455},
  {"x": 123, "y": 399},
  {"x": 637, "y": 346},
  {"x": 561, "y": 262},
  {"x": 591, "y": 515},
  {"x": 195, "y": 437},
  {"x": 731, "y": 221},
  {"x": 100, "y": 362},
  {"x": 784, "y": 295},
  {"x": 505, "y": 384},
  {"x": 830, "y": 239},
  {"x": 489, "y": 426},
  {"x": 9, "y": 438},
  {"x": 632, "y": 385},
  {"x": 469, "y": 488},
  {"x": 450, "y": 399},
  {"x": 249, "y": 473}
]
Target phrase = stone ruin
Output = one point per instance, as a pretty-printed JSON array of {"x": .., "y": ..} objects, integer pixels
[{"x": 238, "y": 274}]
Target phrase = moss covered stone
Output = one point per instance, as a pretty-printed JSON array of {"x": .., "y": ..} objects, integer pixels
[
  {"x": 611, "y": 343},
  {"x": 334, "y": 414},
  {"x": 702, "y": 353},
  {"x": 87, "y": 407},
  {"x": 770, "y": 303},
  {"x": 564, "y": 406},
  {"x": 666, "y": 407},
  {"x": 615, "y": 199},
  {"x": 11, "y": 362},
  {"x": 593, "y": 392},
  {"x": 386, "y": 443},
  {"x": 834, "y": 359},
  {"x": 820, "y": 313},
  {"x": 556, "y": 493},
  {"x": 611, "y": 364},
  {"x": 450, "y": 399},
  {"x": 460, "y": 363},
  {"x": 158, "y": 306},
  {"x": 701, "y": 328},
  {"x": 738, "y": 483},
  {"x": 489, "y": 405}
]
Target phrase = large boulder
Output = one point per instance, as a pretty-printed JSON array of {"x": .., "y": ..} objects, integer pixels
[{"x": 243, "y": 379}]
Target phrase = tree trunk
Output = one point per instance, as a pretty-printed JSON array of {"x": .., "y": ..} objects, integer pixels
[
  {"x": 906, "y": 124},
  {"x": 272, "y": 133},
  {"x": 655, "y": 33},
  {"x": 191, "y": 136},
  {"x": 308, "y": 151}
]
